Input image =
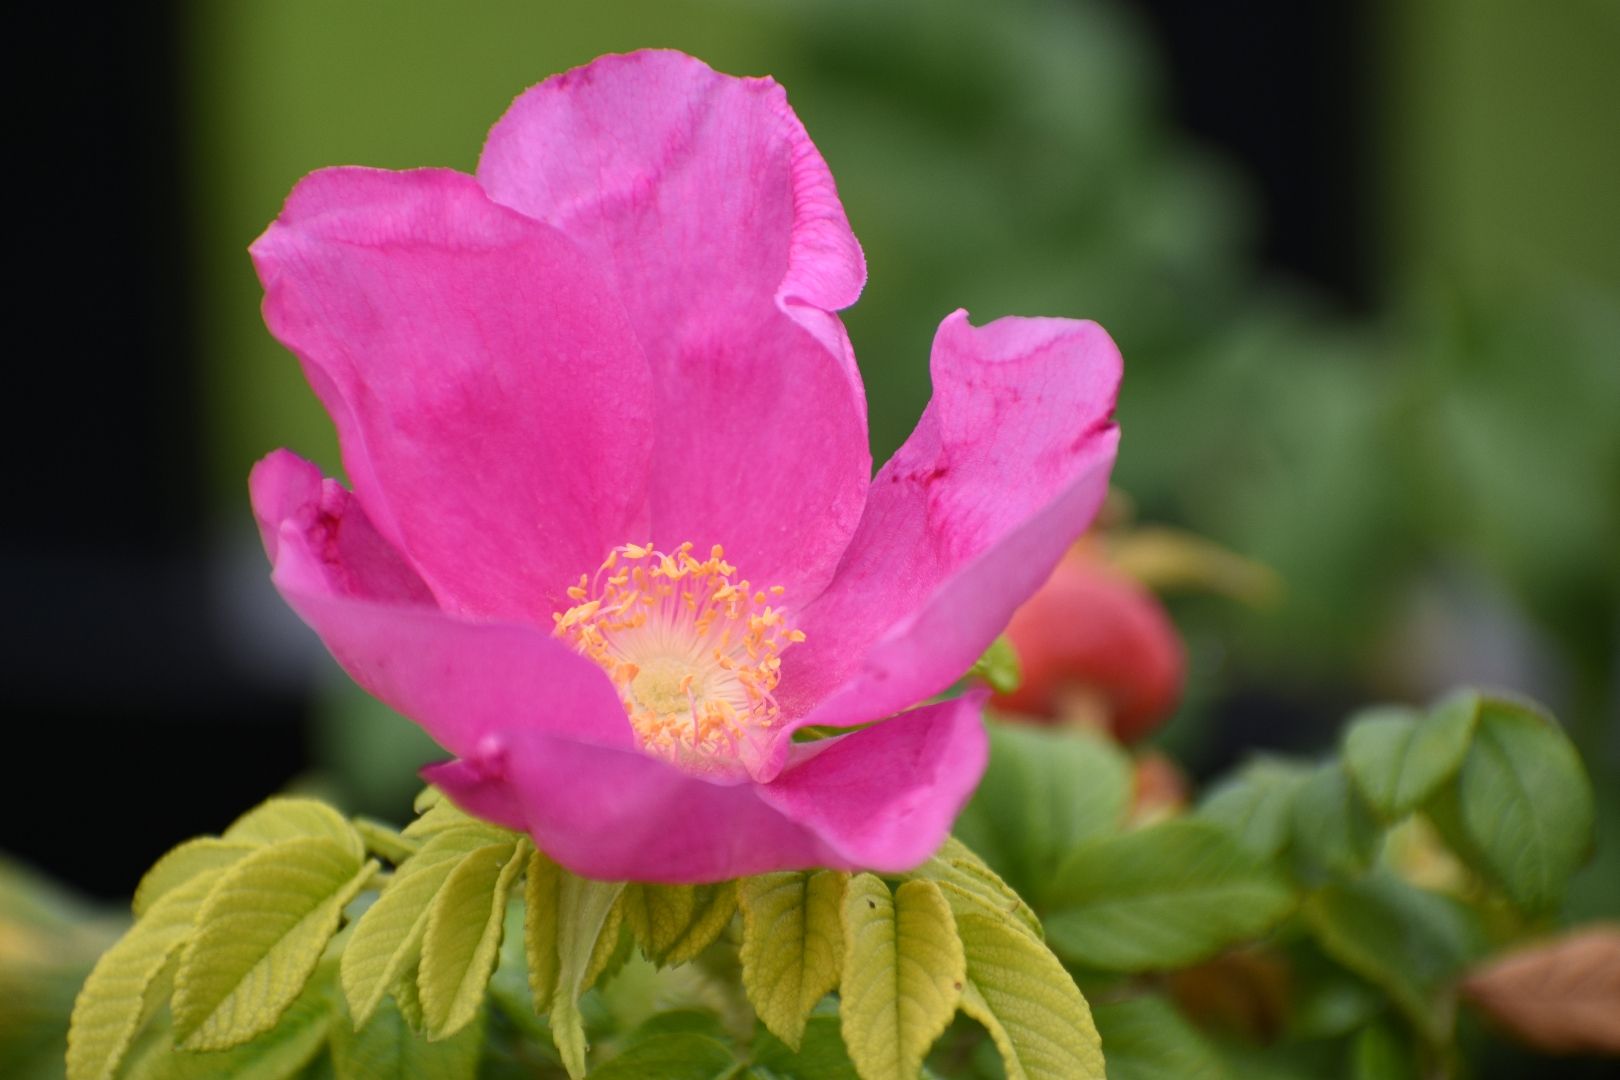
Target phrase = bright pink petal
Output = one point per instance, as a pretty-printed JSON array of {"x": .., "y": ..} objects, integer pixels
[
  {"x": 619, "y": 815},
  {"x": 721, "y": 223},
  {"x": 1005, "y": 469},
  {"x": 459, "y": 680},
  {"x": 884, "y": 798},
  {"x": 491, "y": 401}
]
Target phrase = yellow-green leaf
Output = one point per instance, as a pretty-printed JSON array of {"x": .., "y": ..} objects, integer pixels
[
  {"x": 387, "y": 1047},
  {"x": 117, "y": 993},
  {"x": 463, "y": 937},
  {"x": 964, "y": 877},
  {"x": 384, "y": 841},
  {"x": 387, "y": 939},
  {"x": 259, "y": 936},
  {"x": 183, "y": 863},
  {"x": 565, "y": 919},
  {"x": 1026, "y": 1000},
  {"x": 438, "y": 817},
  {"x": 673, "y": 923},
  {"x": 287, "y": 818},
  {"x": 903, "y": 976},
  {"x": 792, "y": 946}
]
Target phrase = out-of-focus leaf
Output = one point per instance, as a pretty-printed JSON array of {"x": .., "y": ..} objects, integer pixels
[
  {"x": 903, "y": 973},
  {"x": 671, "y": 1057},
  {"x": 1409, "y": 942},
  {"x": 463, "y": 937},
  {"x": 1379, "y": 1052},
  {"x": 1167, "y": 560},
  {"x": 179, "y": 865},
  {"x": 1044, "y": 792},
  {"x": 386, "y": 1046},
  {"x": 792, "y": 946},
  {"x": 1334, "y": 832},
  {"x": 1161, "y": 897},
  {"x": 821, "y": 1054},
  {"x": 259, "y": 936},
  {"x": 1560, "y": 996},
  {"x": 1257, "y": 805},
  {"x": 998, "y": 667},
  {"x": 1145, "y": 1038},
  {"x": 1398, "y": 757}
]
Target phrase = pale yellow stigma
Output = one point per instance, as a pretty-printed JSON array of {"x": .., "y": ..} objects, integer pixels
[{"x": 695, "y": 653}]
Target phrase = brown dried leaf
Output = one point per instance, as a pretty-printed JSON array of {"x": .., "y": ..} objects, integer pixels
[{"x": 1560, "y": 996}]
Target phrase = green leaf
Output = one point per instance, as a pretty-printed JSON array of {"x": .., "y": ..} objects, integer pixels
[
  {"x": 965, "y": 878},
  {"x": 671, "y": 1057},
  {"x": 387, "y": 1047},
  {"x": 384, "y": 841},
  {"x": 673, "y": 923},
  {"x": 1162, "y": 897},
  {"x": 1399, "y": 757},
  {"x": 792, "y": 946},
  {"x": 183, "y": 863},
  {"x": 278, "y": 1054},
  {"x": 1257, "y": 806},
  {"x": 1026, "y": 1000},
  {"x": 1520, "y": 808},
  {"x": 259, "y": 936},
  {"x": 1379, "y": 1052},
  {"x": 284, "y": 818},
  {"x": 565, "y": 919},
  {"x": 903, "y": 974},
  {"x": 119, "y": 990},
  {"x": 1145, "y": 1038},
  {"x": 821, "y": 1054},
  {"x": 999, "y": 666},
  {"x": 1334, "y": 832},
  {"x": 440, "y": 816},
  {"x": 387, "y": 939},
  {"x": 1408, "y": 942},
  {"x": 463, "y": 937},
  {"x": 1043, "y": 793}
]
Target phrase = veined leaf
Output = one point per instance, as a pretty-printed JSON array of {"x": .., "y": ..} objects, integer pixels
[
  {"x": 179, "y": 865},
  {"x": 673, "y": 923},
  {"x": 259, "y": 936},
  {"x": 118, "y": 991},
  {"x": 1026, "y": 1000},
  {"x": 387, "y": 939},
  {"x": 1044, "y": 793},
  {"x": 441, "y": 815},
  {"x": 792, "y": 946},
  {"x": 463, "y": 937},
  {"x": 1145, "y": 1038},
  {"x": 278, "y": 1054},
  {"x": 426, "y": 799},
  {"x": 671, "y": 1057},
  {"x": 1161, "y": 897},
  {"x": 1520, "y": 808},
  {"x": 1399, "y": 757},
  {"x": 1257, "y": 806},
  {"x": 387, "y": 1047},
  {"x": 903, "y": 974},
  {"x": 964, "y": 877},
  {"x": 384, "y": 841},
  {"x": 287, "y": 818},
  {"x": 565, "y": 919}
]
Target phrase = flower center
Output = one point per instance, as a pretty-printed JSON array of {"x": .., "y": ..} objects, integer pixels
[{"x": 694, "y": 652}]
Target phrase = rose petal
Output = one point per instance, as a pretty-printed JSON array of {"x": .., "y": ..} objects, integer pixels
[
  {"x": 722, "y": 225},
  {"x": 459, "y": 680},
  {"x": 491, "y": 401},
  {"x": 884, "y": 798},
  {"x": 1006, "y": 467}
]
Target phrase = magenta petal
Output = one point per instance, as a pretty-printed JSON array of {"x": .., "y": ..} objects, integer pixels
[
  {"x": 723, "y": 227},
  {"x": 618, "y": 815},
  {"x": 884, "y": 798},
  {"x": 459, "y": 680},
  {"x": 1006, "y": 467},
  {"x": 492, "y": 404}
]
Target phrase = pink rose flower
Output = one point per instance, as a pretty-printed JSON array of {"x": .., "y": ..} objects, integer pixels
[{"x": 613, "y": 535}]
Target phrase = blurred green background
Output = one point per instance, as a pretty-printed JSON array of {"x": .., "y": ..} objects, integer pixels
[{"x": 1363, "y": 260}]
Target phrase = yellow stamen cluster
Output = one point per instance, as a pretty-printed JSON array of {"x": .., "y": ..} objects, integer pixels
[{"x": 695, "y": 653}]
